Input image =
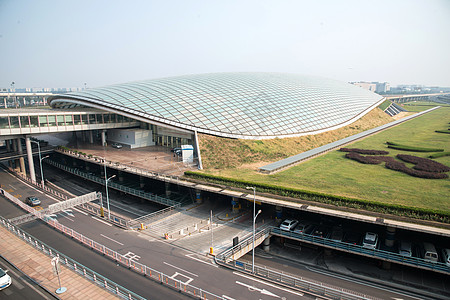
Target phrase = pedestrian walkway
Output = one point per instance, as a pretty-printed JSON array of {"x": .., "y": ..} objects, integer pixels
[{"x": 36, "y": 265}]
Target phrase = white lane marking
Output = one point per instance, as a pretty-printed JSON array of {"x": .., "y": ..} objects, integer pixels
[
  {"x": 269, "y": 284},
  {"x": 202, "y": 261},
  {"x": 226, "y": 297},
  {"x": 262, "y": 291},
  {"x": 361, "y": 283},
  {"x": 12, "y": 187},
  {"x": 179, "y": 274},
  {"x": 104, "y": 222},
  {"x": 68, "y": 212},
  {"x": 131, "y": 256},
  {"x": 80, "y": 211},
  {"x": 66, "y": 217},
  {"x": 106, "y": 237},
  {"x": 179, "y": 269}
]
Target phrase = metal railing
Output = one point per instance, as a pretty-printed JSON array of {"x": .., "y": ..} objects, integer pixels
[
  {"x": 125, "y": 261},
  {"x": 147, "y": 219},
  {"x": 149, "y": 196},
  {"x": 91, "y": 208},
  {"x": 374, "y": 253},
  {"x": 85, "y": 272}
]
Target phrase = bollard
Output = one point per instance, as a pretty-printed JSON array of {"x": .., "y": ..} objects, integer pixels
[
  {"x": 211, "y": 250},
  {"x": 142, "y": 226}
]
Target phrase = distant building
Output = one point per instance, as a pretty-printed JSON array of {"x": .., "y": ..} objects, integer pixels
[
  {"x": 378, "y": 87},
  {"x": 366, "y": 85}
]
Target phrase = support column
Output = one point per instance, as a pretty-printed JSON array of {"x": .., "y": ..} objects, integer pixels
[
  {"x": 167, "y": 188},
  {"x": 390, "y": 237},
  {"x": 278, "y": 214},
  {"x": 104, "y": 138},
  {"x": 266, "y": 244},
  {"x": 198, "y": 196},
  {"x": 120, "y": 176},
  {"x": 141, "y": 182},
  {"x": 91, "y": 137},
  {"x": 16, "y": 149},
  {"x": 30, "y": 159},
  {"x": 8, "y": 145},
  {"x": 21, "y": 159},
  {"x": 236, "y": 205}
]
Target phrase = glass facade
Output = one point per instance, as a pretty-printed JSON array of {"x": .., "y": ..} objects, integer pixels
[{"x": 241, "y": 105}]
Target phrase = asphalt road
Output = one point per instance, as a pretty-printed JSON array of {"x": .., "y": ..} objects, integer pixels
[
  {"x": 172, "y": 260},
  {"x": 22, "y": 287}
]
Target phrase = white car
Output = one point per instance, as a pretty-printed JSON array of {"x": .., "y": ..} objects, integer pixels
[
  {"x": 5, "y": 279},
  {"x": 370, "y": 240},
  {"x": 116, "y": 145},
  {"x": 288, "y": 224}
]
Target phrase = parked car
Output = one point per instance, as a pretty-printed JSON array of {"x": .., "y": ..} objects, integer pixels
[
  {"x": 351, "y": 237},
  {"x": 370, "y": 240},
  {"x": 5, "y": 279},
  {"x": 429, "y": 252},
  {"x": 288, "y": 224},
  {"x": 116, "y": 145},
  {"x": 446, "y": 256},
  {"x": 32, "y": 201},
  {"x": 321, "y": 231},
  {"x": 303, "y": 228},
  {"x": 405, "y": 248},
  {"x": 337, "y": 233}
]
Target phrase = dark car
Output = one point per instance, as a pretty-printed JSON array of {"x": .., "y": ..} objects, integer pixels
[
  {"x": 321, "y": 231},
  {"x": 353, "y": 238},
  {"x": 33, "y": 201}
]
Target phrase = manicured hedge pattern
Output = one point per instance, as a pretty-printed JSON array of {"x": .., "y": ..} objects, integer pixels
[
  {"x": 365, "y": 151},
  {"x": 424, "y": 164},
  {"x": 399, "y": 210},
  {"x": 441, "y": 154},
  {"x": 412, "y": 148},
  {"x": 443, "y": 131},
  {"x": 399, "y": 166},
  {"x": 371, "y": 160}
]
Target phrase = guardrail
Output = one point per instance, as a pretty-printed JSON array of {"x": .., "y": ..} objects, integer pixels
[
  {"x": 149, "y": 196},
  {"x": 145, "y": 220},
  {"x": 91, "y": 208},
  {"x": 117, "y": 165},
  {"x": 374, "y": 253},
  {"x": 85, "y": 272},
  {"x": 127, "y": 262}
]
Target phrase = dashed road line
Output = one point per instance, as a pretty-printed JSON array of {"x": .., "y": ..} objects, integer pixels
[
  {"x": 106, "y": 237},
  {"x": 180, "y": 269},
  {"x": 101, "y": 221},
  {"x": 269, "y": 284}
]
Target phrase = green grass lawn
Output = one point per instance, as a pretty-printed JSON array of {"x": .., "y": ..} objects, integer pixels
[
  {"x": 333, "y": 174},
  {"x": 418, "y": 106}
]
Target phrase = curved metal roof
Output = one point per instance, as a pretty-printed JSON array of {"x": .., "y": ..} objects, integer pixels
[{"x": 234, "y": 105}]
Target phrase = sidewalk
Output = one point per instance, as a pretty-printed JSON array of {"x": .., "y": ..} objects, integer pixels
[{"x": 37, "y": 266}]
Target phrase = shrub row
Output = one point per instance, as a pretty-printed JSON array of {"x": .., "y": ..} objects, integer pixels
[
  {"x": 399, "y": 166},
  {"x": 442, "y": 131},
  {"x": 424, "y": 164},
  {"x": 399, "y": 210},
  {"x": 371, "y": 160},
  {"x": 365, "y": 151},
  {"x": 441, "y": 154},
  {"x": 413, "y": 149}
]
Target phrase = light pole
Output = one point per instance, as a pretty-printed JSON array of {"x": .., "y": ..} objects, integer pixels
[
  {"x": 40, "y": 161},
  {"x": 107, "y": 197},
  {"x": 254, "y": 220}
]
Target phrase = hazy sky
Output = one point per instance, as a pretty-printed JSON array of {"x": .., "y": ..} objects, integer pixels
[{"x": 69, "y": 43}]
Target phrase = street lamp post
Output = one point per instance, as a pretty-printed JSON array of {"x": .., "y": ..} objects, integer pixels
[
  {"x": 254, "y": 221},
  {"x": 40, "y": 161},
  {"x": 107, "y": 197}
]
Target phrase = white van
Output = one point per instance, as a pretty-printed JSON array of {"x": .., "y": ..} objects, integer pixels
[
  {"x": 430, "y": 252},
  {"x": 446, "y": 253}
]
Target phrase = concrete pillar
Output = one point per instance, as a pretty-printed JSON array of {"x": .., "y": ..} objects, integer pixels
[
  {"x": 167, "y": 189},
  {"x": 141, "y": 182},
  {"x": 278, "y": 214},
  {"x": 386, "y": 265},
  {"x": 14, "y": 144},
  {"x": 266, "y": 244},
  {"x": 8, "y": 145},
  {"x": 198, "y": 196},
  {"x": 104, "y": 138},
  {"x": 120, "y": 176},
  {"x": 21, "y": 159},
  {"x": 91, "y": 137},
  {"x": 30, "y": 159},
  {"x": 236, "y": 205},
  {"x": 390, "y": 237}
]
